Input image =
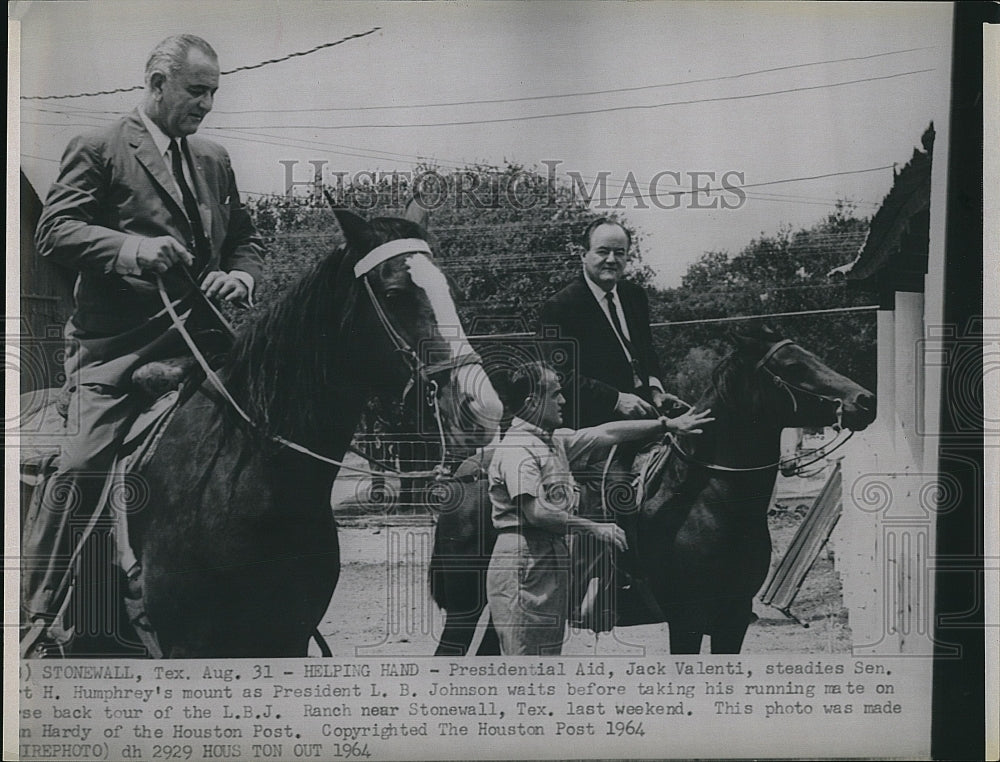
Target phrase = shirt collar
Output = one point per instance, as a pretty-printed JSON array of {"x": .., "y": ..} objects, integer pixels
[
  {"x": 521, "y": 426},
  {"x": 160, "y": 138},
  {"x": 599, "y": 293}
]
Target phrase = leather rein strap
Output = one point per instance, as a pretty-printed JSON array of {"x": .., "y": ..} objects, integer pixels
[
  {"x": 416, "y": 365},
  {"x": 788, "y": 387}
]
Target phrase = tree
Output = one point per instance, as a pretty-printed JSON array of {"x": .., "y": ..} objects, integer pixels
[
  {"x": 783, "y": 272},
  {"x": 507, "y": 236}
]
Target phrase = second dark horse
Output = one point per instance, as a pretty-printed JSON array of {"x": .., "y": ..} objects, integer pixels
[{"x": 703, "y": 543}]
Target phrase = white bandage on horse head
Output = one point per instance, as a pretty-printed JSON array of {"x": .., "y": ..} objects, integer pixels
[{"x": 388, "y": 250}]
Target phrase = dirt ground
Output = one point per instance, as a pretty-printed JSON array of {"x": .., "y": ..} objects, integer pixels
[{"x": 382, "y": 605}]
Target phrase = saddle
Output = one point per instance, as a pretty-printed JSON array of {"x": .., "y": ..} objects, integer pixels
[
  {"x": 609, "y": 588},
  {"x": 42, "y": 429}
]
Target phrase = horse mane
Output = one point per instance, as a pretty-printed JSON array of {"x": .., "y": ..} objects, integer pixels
[
  {"x": 734, "y": 397},
  {"x": 294, "y": 364},
  {"x": 285, "y": 355},
  {"x": 733, "y": 389}
]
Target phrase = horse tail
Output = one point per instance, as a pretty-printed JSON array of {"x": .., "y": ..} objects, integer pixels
[
  {"x": 436, "y": 574},
  {"x": 463, "y": 544}
]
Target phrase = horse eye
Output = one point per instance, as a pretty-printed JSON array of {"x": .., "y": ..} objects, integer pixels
[{"x": 392, "y": 293}]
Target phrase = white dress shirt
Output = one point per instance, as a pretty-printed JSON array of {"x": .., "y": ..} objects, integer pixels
[{"x": 602, "y": 300}]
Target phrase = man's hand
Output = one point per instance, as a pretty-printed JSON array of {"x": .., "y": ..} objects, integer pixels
[
  {"x": 218, "y": 284},
  {"x": 633, "y": 406},
  {"x": 161, "y": 253},
  {"x": 689, "y": 422},
  {"x": 667, "y": 401},
  {"x": 612, "y": 534}
]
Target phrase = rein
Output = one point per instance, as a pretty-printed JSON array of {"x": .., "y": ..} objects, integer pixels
[
  {"x": 418, "y": 368},
  {"x": 781, "y": 383}
]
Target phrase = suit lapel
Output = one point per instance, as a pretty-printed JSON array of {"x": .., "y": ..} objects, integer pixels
[
  {"x": 149, "y": 156},
  {"x": 625, "y": 296},
  {"x": 630, "y": 306}
]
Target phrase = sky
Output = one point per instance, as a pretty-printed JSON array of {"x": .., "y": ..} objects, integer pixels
[{"x": 636, "y": 91}]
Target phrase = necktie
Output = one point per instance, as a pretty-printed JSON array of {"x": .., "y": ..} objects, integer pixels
[
  {"x": 613, "y": 311},
  {"x": 190, "y": 205}
]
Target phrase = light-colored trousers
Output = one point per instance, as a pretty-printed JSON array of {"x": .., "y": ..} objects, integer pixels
[{"x": 527, "y": 586}]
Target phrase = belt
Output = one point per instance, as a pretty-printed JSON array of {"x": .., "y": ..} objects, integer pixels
[{"x": 531, "y": 532}]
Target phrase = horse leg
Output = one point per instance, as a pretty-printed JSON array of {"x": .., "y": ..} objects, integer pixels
[
  {"x": 685, "y": 641},
  {"x": 459, "y": 630},
  {"x": 490, "y": 644},
  {"x": 727, "y": 636}
]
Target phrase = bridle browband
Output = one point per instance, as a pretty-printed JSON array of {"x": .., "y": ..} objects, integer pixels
[
  {"x": 790, "y": 388},
  {"x": 417, "y": 367}
]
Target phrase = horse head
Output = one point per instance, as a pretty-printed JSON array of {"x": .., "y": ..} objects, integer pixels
[
  {"x": 408, "y": 330},
  {"x": 812, "y": 393}
]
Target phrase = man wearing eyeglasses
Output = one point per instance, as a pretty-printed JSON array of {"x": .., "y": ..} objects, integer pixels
[{"x": 614, "y": 373}]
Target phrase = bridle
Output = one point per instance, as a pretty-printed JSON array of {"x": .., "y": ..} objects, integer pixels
[
  {"x": 425, "y": 372},
  {"x": 418, "y": 368},
  {"x": 791, "y": 389}
]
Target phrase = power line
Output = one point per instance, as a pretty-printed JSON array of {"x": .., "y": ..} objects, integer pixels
[
  {"x": 707, "y": 190},
  {"x": 529, "y": 334},
  {"x": 300, "y": 53},
  {"x": 615, "y": 91},
  {"x": 865, "y": 307},
  {"x": 416, "y": 159},
  {"x": 231, "y": 71},
  {"x": 582, "y": 112},
  {"x": 409, "y": 159},
  {"x": 39, "y": 158},
  {"x": 735, "y": 188}
]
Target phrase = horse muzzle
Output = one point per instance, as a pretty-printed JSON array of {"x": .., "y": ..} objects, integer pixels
[
  {"x": 858, "y": 411},
  {"x": 471, "y": 407}
]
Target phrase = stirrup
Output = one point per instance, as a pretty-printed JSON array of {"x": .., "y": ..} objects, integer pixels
[
  {"x": 37, "y": 642},
  {"x": 135, "y": 608}
]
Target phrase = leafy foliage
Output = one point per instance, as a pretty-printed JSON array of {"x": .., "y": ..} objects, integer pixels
[
  {"x": 784, "y": 272},
  {"x": 508, "y": 237}
]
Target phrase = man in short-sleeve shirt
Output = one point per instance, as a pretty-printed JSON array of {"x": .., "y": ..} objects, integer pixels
[{"x": 535, "y": 499}]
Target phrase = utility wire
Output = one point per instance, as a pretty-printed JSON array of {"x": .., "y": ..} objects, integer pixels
[
  {"x": 581, "y": 112},
  {"x": 231, "y": 71},
  {"x": 416, "y": 160},
  {"x": 552, "y": 96},
  {"x": 863, "y": 308}
]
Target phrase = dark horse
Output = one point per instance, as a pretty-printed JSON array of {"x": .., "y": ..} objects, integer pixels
[
  {"x": 701, "y": 543},
  {"x": 238, "y": 542}
]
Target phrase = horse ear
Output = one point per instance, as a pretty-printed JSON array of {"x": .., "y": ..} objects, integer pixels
[
  {"x": 417, "y": 212},
  {"x": 359, "y": 234},
  {"x": 753, "y": 332},
  {"x": 740, "y": 339}
]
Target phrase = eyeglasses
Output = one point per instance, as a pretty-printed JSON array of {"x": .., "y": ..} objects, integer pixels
[{"x": 618, "y": 253}]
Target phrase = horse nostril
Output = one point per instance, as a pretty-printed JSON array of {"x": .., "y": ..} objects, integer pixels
[{"x": 866, "y": 401}]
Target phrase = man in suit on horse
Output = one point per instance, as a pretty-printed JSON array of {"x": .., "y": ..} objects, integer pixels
[
  {"x": 611, "y": 374},
  {"x": 614, "y": 373},
  {"x": 139, "y": 199}
]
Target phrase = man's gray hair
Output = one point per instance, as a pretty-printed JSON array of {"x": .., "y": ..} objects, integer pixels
[{"x": 171, "y": 54}]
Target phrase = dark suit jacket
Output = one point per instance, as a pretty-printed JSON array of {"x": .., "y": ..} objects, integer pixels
[
  {"x": 598, "y": 370},
  {"x": 114, "y": 184}
]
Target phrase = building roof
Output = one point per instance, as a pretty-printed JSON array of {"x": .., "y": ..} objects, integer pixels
[{"x": 894, "y": 254}]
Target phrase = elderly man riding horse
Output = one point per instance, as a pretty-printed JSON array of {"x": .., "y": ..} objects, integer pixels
[{"x": 135, "y": 200}]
